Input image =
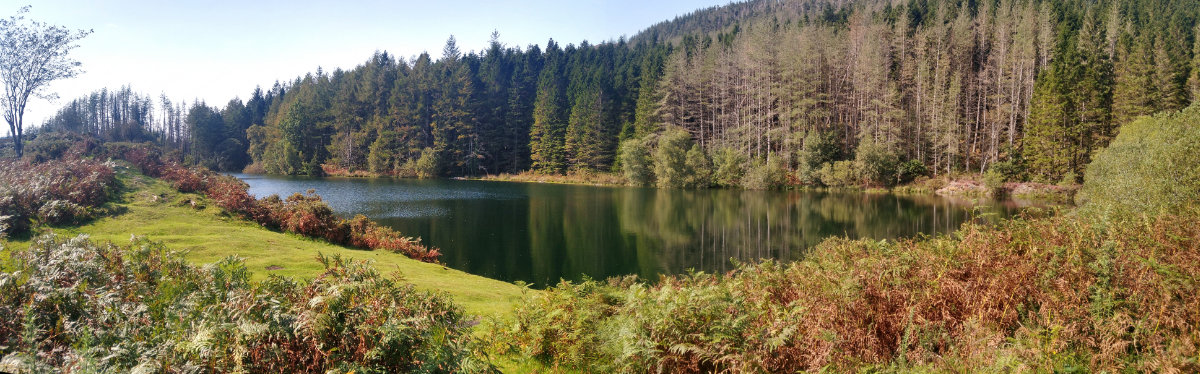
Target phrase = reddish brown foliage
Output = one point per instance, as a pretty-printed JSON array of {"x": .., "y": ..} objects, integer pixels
[
  {"x": 1030, "y": 295},
  {"x": 58, "y": 191}
]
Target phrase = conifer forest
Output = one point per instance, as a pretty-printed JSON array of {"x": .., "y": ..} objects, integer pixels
[{"x": 1029, "y": 88}]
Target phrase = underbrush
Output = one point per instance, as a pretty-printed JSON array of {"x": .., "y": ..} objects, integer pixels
[
  {"x": 304, "y": 214},
  {"x": 60, "y": 192},
  {"x": 1043, "y": 294},
  {"x": 575, "y": 177},
  {"x": 1041, "y": 191},
  {"x": 1111, "y": 287},
  {"x": 75, "y": 306}
]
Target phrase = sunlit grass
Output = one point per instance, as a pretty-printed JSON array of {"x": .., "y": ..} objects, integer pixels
[{"x": 149, "y": 207}]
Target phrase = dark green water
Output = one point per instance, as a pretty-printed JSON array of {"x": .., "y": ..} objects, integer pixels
[{"x": 539, "y": 233}]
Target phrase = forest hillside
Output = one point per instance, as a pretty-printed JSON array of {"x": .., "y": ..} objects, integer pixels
[{"x": 788, "y": 89}]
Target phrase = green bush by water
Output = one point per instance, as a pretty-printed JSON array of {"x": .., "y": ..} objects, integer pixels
[{"x": 1152, "y": 165}]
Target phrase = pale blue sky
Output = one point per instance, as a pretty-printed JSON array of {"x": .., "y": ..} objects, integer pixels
[{"x": 216, "y": 50}]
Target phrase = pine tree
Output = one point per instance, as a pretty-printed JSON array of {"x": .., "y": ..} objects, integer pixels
[
  {"x": 587, "y": 137},
  {"x": 1169, "y": 79},
  {"x": 547, "y": 135},
  {"x": 1052, "y": 119},
  {"x": 1194, "y": 77},
  {"x": 454, "y": 137},
  {"x": 1134, "y": 90}
]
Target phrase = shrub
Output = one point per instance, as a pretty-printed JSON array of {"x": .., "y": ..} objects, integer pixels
[
  {"x": 55, "y": 192},
  {"x": 910, "y": 170},
  {"x": 806, "y": 174},
  {"x": 58, "y": 145},
  {"x": 875, "y": 163},
  {"x": 1152, "y": 165},
  {"x": 636, "y": 163},
  {"x": 820, "y": 148},
  {"x": 13, "y": 219},
  {"x": 1013, "y": 168},
  {"x": 71, "y": 304},
  {"x": 58, "y": 212},
  {"x": 232, "y": 194},
  {"x": 309, "y": 216},
  {"x": 838, "y": 174},
  {"x": 670, "y": 158},
  {"x": 147, "y": 158},
  {"x": 1069, "y": 179},
  {"x": 994, "y": 181},
  {"x": 427, "y": 165},
  {"x": 730, "y": 166},
  {"x": 765, "y": 175},
  {"x": 700, "y": 168}
]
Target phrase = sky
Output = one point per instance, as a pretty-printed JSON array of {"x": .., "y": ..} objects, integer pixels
[{"x": 214, "y": 51}]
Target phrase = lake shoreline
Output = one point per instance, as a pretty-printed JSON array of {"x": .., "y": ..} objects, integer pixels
[
  {"x": 964, "y": 186},
  {"x": 542, "y": 232}
]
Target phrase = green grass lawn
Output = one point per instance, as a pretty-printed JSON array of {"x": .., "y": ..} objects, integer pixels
[{"x": 150, "y": 207}]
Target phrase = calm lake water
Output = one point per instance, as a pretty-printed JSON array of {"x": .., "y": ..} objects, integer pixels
[{"x": 540, "y": 233}]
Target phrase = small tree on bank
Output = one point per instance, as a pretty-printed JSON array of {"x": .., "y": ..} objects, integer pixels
[{"x": 32, "y": 54}]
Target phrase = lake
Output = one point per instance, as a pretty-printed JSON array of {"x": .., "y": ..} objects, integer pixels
[{"x": 540, "y": 233}]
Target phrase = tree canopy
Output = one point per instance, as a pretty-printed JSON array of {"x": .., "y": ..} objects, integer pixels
[
  {"x": 930, "y": 86},
  {"x": 32, "y": 54}
]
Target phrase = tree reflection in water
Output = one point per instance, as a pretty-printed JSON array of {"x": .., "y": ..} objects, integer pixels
[{"x": 540, "y": 233}]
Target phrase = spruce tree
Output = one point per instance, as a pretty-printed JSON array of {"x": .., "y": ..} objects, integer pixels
[
  {"x": 1134, "y": 90},
  {"x": 547, "y": 135}
]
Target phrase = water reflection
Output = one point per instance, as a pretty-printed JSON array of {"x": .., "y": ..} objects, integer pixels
[{"x": 540, "y": 233}]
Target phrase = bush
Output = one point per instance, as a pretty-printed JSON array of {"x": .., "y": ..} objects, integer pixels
[
  {"x": 700, "y": 168},
  {"x": 765, "y": 175},
  {"x": 994, "y": 181},
  {"x": 427, "y": 165},
  {"x": 875, "y": 163},
  {"x": 54, "y": 192},
  {"x": 910, "y": 170},
  {"x": 636, "y": 163},
  {"x": 730, "y": 167},
  {"x": 1069, "y": 179},
  {"x": 820, "y": 148},
  {"x": 1012, "y": 169},
  {"x": 806, "y": 174},
  {"x": 58, "y": 212},
  {"x": 670, "y": 158},
  {"x": 838, "y": 174},
  {"x": 232, "y": 194},
  {"x": 67, "y": 305},
  {"x": 58, "y": 145},
  {"x": 1152, "y": 165}
]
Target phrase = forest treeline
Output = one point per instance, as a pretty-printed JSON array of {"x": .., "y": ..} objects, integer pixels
[{"x": 756, "y": 94}]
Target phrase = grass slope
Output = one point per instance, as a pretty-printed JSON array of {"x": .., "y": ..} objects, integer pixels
[{"x": 150, "y": 207}]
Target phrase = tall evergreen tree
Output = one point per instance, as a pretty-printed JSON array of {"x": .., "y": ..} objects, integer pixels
[
  {"x": 547, "y": 135},
  {"x": 1134, "y": 91}
]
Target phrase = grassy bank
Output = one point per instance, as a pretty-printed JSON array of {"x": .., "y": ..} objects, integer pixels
[{"x": 152, "y": 208}]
